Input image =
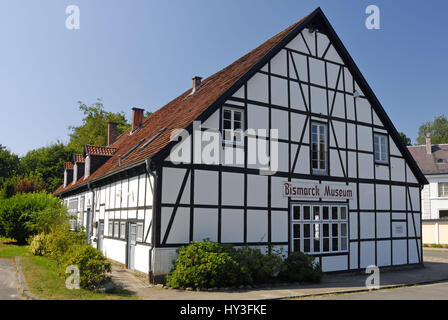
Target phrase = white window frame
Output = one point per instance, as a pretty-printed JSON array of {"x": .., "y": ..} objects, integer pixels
[
  {"x": 444, "y": 186},
  {"x": 116, "y": 229},
  {"x": 232, "y": 126},
  {"x": 339, "y": 222},
  {"x": 320, "y": 126},
  {"x": 110, "y": 228},
  {"x": 139, "y": 227},
  {"x": 122, "y": 229},
  {"x": 383, "y": 151}
]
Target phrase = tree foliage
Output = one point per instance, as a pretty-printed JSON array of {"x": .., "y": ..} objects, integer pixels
[
  {"x": 9, "y": 163},
  {"x": 93, "y": 129},
  {"x": 438, "y": 129},
  {"x": 46, "y": 163},
  {"x": 407, "y": 141}
]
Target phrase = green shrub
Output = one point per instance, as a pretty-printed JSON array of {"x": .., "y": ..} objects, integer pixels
[
  {"x": 26, "y": 214},
  {"x": 58, "y": 242},
  {"x": 300, "y": 267},
  {"x": 94, "y": 269},
  {"x": 38, "y": 244},
  {"x": 259, "y": 267},
  {"x": 204, "y": 264}
]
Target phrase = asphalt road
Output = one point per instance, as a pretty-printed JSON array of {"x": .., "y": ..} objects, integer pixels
[
  {"x": 8, "y": 281},
  {"x": 435, "y": 291}
]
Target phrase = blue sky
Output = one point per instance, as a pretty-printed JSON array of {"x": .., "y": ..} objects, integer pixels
[{"x": 143, "y": 53}]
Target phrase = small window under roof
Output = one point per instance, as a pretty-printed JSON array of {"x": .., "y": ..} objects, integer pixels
[
  {"x": 152, "y": 139},
  {"x": 130, "y": 150}
]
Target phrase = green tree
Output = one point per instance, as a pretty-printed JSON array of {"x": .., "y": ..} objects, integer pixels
[
  {"x": 9, "y": 163},
  {"x": 94, "y": 126},
  {"x": 46, "y": 164},
  {"x": 407, "y": 141},
  {"x": 438, "y": 129}
]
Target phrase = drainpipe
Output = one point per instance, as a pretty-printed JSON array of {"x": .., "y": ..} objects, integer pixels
[
  {"x": 92, "y": 212},
  {"x": 148, "y": 174}
]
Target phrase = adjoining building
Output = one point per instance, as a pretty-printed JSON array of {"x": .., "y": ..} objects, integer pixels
[
  {"x": 336, "y": 181},
  {"x": 433, "y": 162}
]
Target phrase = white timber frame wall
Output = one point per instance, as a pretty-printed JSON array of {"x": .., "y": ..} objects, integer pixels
[
  {"x": 306, "y": 81},
  {"x": 125, "y": 201},
  {"x": 432, "y": 201}
]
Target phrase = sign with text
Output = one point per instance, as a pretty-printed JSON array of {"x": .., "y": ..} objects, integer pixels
[{"x": 316, "y": 191}]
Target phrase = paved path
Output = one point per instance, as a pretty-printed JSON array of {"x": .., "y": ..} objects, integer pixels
[
  {"x": 436, "y": 269},
  {"x": 435, "y": 291},
  {"x": 8, "y": 281}
]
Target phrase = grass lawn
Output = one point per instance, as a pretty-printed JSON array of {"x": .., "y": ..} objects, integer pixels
[{"x": 43, "y": 277}]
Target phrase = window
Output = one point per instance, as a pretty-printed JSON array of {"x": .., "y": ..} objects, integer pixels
[
  {"x": 319, "y": 148},
  {"x": 232, "y": 125},
  {"x": 380, "y": 148},
  {"x": 321, "y": 228},
  {"x": 140, "y": 232},
  {"x": 443, "y": 189},
  {"x": 443, "y": 214},
  {"x": 116, "y": 229},
  {"x": 110, "y": 231},
  {"x": 122, "y": 229}
]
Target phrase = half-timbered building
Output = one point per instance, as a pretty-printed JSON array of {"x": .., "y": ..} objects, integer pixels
[{"x": 336, "y": 181}]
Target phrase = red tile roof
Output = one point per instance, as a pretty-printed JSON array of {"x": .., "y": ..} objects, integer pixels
[
  {"x": 68, "y": 165},
  {"x": 79, "y": 158},
  {"x": 434, "y": 163},
  {"x": 99, "y": 150},
  {"x": 180, "y": 112}
]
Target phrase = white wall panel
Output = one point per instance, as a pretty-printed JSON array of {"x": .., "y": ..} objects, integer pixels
[
  {"x": 365, "y": 163},
  {"x": 310, "y": 40},
  {"x": 232, "y": 225},
  {"x": 367, "y": 222},
  {"x": 206, "y": 187},
  {"x": 279, "y": 91},
  {"x": 367, "y": 253},
  {"x": 382, "y": 197},
  {"x": 354, "y": 255},
  {"x": 317, "y": 71},
  {"x": 258, "y": 117},
  {"x": 257, "y": 88},
  {"x": 297, "y": 123},
  {"x": 279, "y": 121},
  {"x": 279, "y": 64},
  {"x": 300, "y": 62},
  {"x": 398, "y": 198},
  {"x": 171, "y": 184},
  {"x": 399, "y": 252},
  {"x": 205, "y": 224},
  {"x": 257, "y": 226},
  {"x": 277, "y": 198},
  {"x": 413, "y": 251},
  {"x": 180, "y": 229},
  {"x": 383, "y": 224},
  {"x": 365, "y": 138},
  {"x": 334, "y": 263},
  {"x": 353, "y": 225},
  {"x": 363, "y": 110},
  {"x": 383, "y": 253},
  {"x": 366, "y": 196},
  {"x": 397, "y": 169},
  {"x": 257, "y": 190},
  {"x": 232, "y": 189},
  {"x": 279, "y": 226},
  {"x": 319, "y": 100},
  {"x": 298, "y": 44},
  {"x": 212, "y": 122},
  {"x": 298, "y": 98}
]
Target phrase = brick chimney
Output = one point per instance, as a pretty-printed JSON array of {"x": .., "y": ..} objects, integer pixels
[
  {"x": 111, "y": 132},
  {"x": 137, "y": 118},
  {"x": 196, "y": 84},
  {"x": 428, "y": 143}
]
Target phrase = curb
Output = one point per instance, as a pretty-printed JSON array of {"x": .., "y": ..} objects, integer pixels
[
  {"x": 23, "y": 288},
  {"x": 386, "y": 287}
]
